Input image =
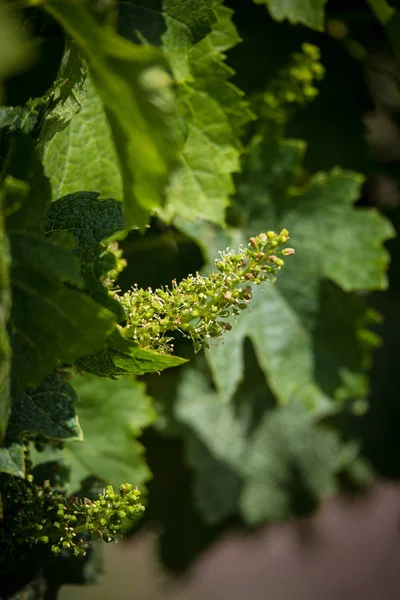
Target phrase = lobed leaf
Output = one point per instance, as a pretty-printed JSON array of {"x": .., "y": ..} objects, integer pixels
[
  {"x": 48, "y": 410},
  {"x": 51, "y": 322},
  {"x": 88, "y": 134},
  {"x": 213, "y": 113},
  {"x": 333, "y": 241},
  {"x": 264, "y": 464}
]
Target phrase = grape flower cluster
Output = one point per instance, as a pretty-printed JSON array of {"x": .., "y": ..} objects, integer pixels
[
  {"x": 293, "y": 85},
  {"x": 42, "y": 514},
  {"x": 198, "y": 306}
]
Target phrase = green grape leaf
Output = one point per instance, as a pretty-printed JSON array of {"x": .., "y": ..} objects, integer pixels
[
  {"x": 121, "y": 410},
  {"x": 177, "y": 25},
  {"x": 68, "y": 94},
  {"x": 213, "y": 116},
  {"x": 50, "y": 321},
  {"x": 22, "y": 119},
  {"x": 48, "y": 409},
  {"x": 306, "y": 12},
  {"x": 90, "y": 220},
  {"x": 129, "y": 357},
  {"x": 187, "y": 23},
  {"x": 136, "y": 94},
  {"x": 88, "y": 134},
  {"x": 333, "y": 241},
  {"x": 125, "y": 356}
]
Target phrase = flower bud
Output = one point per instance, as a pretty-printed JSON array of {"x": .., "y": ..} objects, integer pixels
[{"x": 288, "y": 251}]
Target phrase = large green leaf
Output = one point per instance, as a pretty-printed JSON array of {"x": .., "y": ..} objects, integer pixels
[
  {"x": 262, "y": 463},
  {"x": 68, "y": 94},
  {"x": 48, "y": 410},
  {"x": 125, "y": 356},
  {"x": 17, "y": 120},
  {"x": 291, "y": 463},
  {"x": 177, "y": 25},
  {"x": 187, "y": 22},
  {"x": 112, "y": 414},
  {"x": 88, "y": 134},
  {"x": 136, "y": 94},
  {"x": 213, "y": 113},
  {"x": 51, "y": 322},
  {"x": 306, "y": 12},
  {"x": 286, "y": 321}
]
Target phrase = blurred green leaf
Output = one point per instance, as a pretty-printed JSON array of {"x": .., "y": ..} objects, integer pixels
[
  {"x": 291, "y": 463},
  {"x": 125, "y": 356},
  {"x": 213, "y": 113},
  {"x": 88, "y": 134},
  {"x": 68, "y": 94},
  {"x": 264, "y": 464},
  {"x": 306, "y": 12}
]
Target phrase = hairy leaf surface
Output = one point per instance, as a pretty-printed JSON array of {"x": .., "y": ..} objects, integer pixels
[
  {"x": 306, "y": 12},
  {"x": 262, "y": 463},
  {"x": 48, "y": 409},
  {"x": 90, "y": 220},
  {"x": 68, "y": 94},
  {"x": 51, "y": 322}
]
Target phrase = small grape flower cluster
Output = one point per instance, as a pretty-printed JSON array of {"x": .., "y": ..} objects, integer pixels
[
  {"x": 199, "y": 306},
  {"x": 45, "y": 515},
  {"x": 294, "y": 85}
]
